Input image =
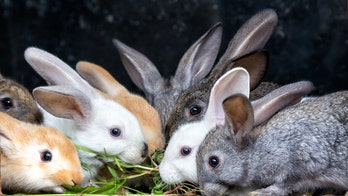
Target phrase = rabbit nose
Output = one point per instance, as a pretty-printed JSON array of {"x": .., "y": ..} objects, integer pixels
[{"x": 145, "y": 150}]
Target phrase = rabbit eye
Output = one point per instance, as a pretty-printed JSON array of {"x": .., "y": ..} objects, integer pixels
[
  {"x": 185, "y": 151},
  {"x": 7, "y": 103},
  {"x": 46, "y": 156},
  {"x": 116, "y": 132},
  {"x": 214, "y": 161},
  {"x": 195, "y": 110}
]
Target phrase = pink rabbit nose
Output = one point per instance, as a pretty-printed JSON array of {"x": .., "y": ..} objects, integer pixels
[{"x": 145, "y": 150}]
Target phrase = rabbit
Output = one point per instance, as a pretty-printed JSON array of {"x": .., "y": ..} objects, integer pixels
[
  {"x": 18, "y": 102},
  {"x": 301, "y": 148},
  {"x": 90, "y": 120},
  {"x": 252, "y": 36},
  {"x": 147, "y": 115},
  {"x": 36, "y": 158},
  {"x": 161, "y": 92},
  {"x": 179, "y": 161}
]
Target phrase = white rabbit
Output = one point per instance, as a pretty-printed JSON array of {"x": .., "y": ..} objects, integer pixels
[
  {"x": 88, "y": 118},
  {"x": 36, "y": 158},
  {"x": 301, "y": 148}
]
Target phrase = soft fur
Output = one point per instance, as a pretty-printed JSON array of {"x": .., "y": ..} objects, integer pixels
[
  {"x": 77, "y": 109},
  {"x": 23, "y": 171},
  {"x": 301, "y": 148},
  {"x": 147, "y": 116},
  {"x": 251, "y": 37},
  {"x": 161, "y": 92},
  {"x": 18, "y": 102}
]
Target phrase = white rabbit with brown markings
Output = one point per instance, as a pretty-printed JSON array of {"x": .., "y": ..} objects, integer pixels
[
  {"x": 251, "y": 37},
  {"x": 162, "y": 92},
  {"x": 301, "y": 148},
  {"x": 90, "y": 120},
  {"x": 36, "y": 158},
  {"x": 18, "y": 102},
  {"x": 147, "y": 116}
]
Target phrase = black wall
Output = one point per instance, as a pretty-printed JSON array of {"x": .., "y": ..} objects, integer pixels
[{"x": 309, "y": 43}]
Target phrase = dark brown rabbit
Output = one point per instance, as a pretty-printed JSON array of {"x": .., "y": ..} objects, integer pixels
[{"x": 18, "y": 102}]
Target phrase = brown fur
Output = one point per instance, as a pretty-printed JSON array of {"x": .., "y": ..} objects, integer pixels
[
  {"x": 21, "y": 145},
  {"x": 109, "y": 87}
]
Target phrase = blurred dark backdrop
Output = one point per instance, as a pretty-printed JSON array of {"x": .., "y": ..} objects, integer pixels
[{"x": 310, "y": 41}]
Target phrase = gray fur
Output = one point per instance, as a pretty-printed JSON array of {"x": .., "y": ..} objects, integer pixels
[
  {"x": 301, "y": 148},
  {"x": 251, "y": 37}
]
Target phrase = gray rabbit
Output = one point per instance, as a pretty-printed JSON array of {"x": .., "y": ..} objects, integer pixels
[
  {"x": 251, "y": 37},
  {"x": 302, "y": 147},
  {"x": 18, "y": 102},
  {"x": 161, "y": 92}
]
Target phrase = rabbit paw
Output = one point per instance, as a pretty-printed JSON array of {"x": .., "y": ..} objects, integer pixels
[{"x": 269, "y": 191}]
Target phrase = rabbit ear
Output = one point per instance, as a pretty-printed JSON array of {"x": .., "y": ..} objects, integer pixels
[
  {"x": 63, "y": 102},
  {"x": 199, "y": 58},
  {"x": 256, "y": 64},
  {"x": 233, "y": 82},
  {"x": 140, "y": 69},
  {"x": 239, "y": 117},
  {"x": 99, "y": 78},
  {"x": 290, "y": 94},
  {"x": 55, "y": 71},
  {"x": 9, "y": 128}
]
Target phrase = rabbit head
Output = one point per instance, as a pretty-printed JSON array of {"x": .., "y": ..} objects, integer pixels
[
  {"x": 18, "y": 102},
  {"x": 252, "y": 36},
  {"x": 147, "y": 116},
  {"x": 296, "y": 149},
  {"x": 35, "y": 158},
  {"x": 179, "y": 161},
  {"x": 161, "y": 92},
  {"x": 74, "y": 107}
]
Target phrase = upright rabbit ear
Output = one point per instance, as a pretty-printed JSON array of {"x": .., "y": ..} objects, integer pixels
[
  {"x": 55, "y": 71},
  {"x": 256, "y": 64},
  {"x": 199, "y": 58},
  {"x": 233, "y": 82},
  {"x": 239, "y": 117},
  {"x": 63, "y": 102},
  {"x": 251, "y": 36},
  {"x": 278, "y": 99},
  {"x": 141, "y": 70},
  {"x": 99, "y": 78}
]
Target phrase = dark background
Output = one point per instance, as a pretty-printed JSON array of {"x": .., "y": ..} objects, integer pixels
[{"x": 309, "y": 43}]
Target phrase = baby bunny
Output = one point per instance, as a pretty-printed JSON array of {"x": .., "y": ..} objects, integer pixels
[
  {"x": 301, "y": 148},
  {"x": 161, "y": 92},
  {"x": 147, "y": 116},
  {"x": 35, "y": 158},
  {"x": 18, "y": 102},
  {"x": 192, "y": 103},
  {"x": 86, "y": 117},
  {"x": 179, "y": 163}
]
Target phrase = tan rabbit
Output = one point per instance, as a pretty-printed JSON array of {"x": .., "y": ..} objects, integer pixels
[
  {"x": 147, "y": 116},
  {"x": 18, "y": 102},
  {"x": 36, "y": 158}
]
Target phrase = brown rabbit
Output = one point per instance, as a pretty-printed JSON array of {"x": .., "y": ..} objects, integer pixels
[
  {"x": 18, "y": 102},
  {"x": 36, "y": 158}
]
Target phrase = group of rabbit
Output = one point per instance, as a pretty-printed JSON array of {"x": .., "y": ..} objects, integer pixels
[{"x": 219, "y": 126}]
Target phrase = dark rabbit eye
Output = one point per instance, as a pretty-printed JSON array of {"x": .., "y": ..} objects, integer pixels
[
  {"x": 185, "y": 151},
  {"x": 46, "y": 156},
  {"x": 7, "y": 103},
  {"x": 195, "y": 110},
  {"x": 214, "y": 161},
  {"x": 116, "y": 132}
]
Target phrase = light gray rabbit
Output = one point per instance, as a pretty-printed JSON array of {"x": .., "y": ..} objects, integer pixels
[
  {"x": 252, "y": 36},
  {"x": 302, "y": 147},
  {"x": 18, "y": 102},
  {"x": 161, "y": 92}
]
